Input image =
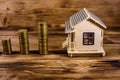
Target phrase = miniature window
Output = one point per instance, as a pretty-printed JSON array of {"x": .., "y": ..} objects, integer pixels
[{"x": 88, "y": 38}]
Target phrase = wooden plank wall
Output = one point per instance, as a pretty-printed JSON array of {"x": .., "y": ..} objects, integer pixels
[{"x": 17, "y": 14}]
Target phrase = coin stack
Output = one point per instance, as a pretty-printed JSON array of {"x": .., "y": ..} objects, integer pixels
[
  {"x": 42, "y": 39},
  {"x": 7, "y": 49},
  {"x": 23, "y": 41}
]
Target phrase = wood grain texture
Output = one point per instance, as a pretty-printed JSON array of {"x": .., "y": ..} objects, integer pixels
[
  {"x": 25, "y": 13},
  {"x": 58, "y": 67}
]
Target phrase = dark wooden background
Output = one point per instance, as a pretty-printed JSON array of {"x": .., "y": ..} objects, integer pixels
[{"x": 17, "y": 14}]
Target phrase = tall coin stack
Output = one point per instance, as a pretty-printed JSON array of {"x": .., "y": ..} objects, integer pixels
[
  {"x": 23, "y": 41},
  {"x": 7, "y": 49},
  {"x": 42, "y": 39}
]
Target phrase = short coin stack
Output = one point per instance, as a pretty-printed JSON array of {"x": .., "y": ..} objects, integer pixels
[{"x": 6, "y": 43}]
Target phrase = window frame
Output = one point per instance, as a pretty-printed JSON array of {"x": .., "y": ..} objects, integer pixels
[{"x": 88, "y": 38}]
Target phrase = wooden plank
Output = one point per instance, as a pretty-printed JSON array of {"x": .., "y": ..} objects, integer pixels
[
  {"x": 58, "y": 67},
  {"x": 55, "y": 11}
]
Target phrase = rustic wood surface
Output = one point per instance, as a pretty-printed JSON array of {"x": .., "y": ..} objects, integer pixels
[
  {"x": 25, "y": 13},
  {"x": 19, "y": 14},
  {"x": 59, "y": 67}
]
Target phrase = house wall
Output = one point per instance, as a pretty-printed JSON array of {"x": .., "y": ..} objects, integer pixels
[{"x": 87, "y": 26}]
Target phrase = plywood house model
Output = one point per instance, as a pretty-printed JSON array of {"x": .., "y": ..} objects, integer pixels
[{"x": 85, "y": 34}]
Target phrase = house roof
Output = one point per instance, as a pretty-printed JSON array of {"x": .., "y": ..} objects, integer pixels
[{"x": 82, "y": 15}]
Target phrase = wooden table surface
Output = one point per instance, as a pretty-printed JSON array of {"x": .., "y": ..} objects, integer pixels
[{"x": 58, "y": 66}]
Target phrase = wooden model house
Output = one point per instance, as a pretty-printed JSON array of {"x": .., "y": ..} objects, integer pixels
[{"x": 85, "y": 34}]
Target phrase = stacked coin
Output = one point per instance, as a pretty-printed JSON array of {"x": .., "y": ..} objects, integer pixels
[
  {"x": 7, "y": 49},
  {"x": 43, "y": 40},
  {"x": 23, "y": 41}
]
